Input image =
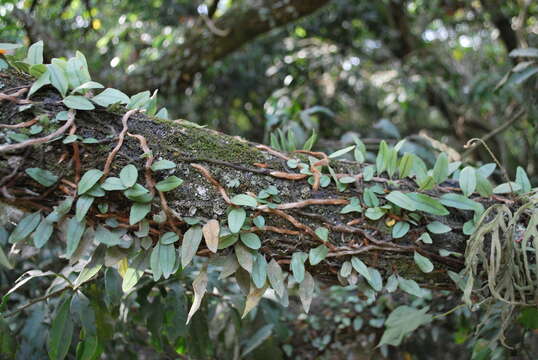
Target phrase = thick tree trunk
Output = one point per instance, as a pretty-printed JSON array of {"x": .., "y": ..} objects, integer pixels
[
  {"x": 209, "y": 41},
  {"x": 227, "y": 160}
]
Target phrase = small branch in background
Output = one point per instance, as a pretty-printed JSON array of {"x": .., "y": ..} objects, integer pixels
[{"x": 495, "y": 132}]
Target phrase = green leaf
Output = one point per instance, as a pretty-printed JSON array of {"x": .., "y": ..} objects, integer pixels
[
  {"x": 88, "y": 180},
  {"x": 487, "y": 169},
  {"x": 25, "y": 227},
  {"x": 162, "y": 114},
  {"x": 35, "y": 54},
  {"x": 297, "y": 265},
  {"x": 381, "y": 159},
  {"x": 139, "y": 101},
  {"x": 199, "y": 286},
  {"x": 42, "y": 234},
  {"x": 529, "y": 318},
  {"x": 236, "y": 219},
  {"x": 437, "y": 227},
  {"x": 138, "y": 212},
  {"x": 427, "y": 204},
  {"x": 77, "y": 72},
  {"x": 361, "y": 268},
  {"x": 163, "y": 165},
  {"x": 440, "y": 170},
  {"x": 306, "y": 291},
  {"x": 110, "y": 96},
  {"x": 374, "y": 213},
  {"x": 162, "y": 261},
  {"x": 245, "y": 257},
  {"x": 345, "y": 270},
  {"x": 423, "y": 263},
  {"x": 425, "y": 238},
  {"x": 41, "y": 81},
  {"x": 341, "y": 152},
  {"x": 323, "y": 233},
  {"x": 244, "y": 200},
  {"x": 83, "y": 205},
  {"x": 375, "y": 280},
  {"x": 89, "y": 85},
  {"x": 78, "y": 102},
  {"x": 506, "y": 188},
  {"x": 523, "y": 180},
  {"x": 483, "y": 186},
  {"x": 392, "y": 283},
  {"x": 524, "y": 52},
  {"x": 402, "y": 200},
  {"x": 75, "y": 230},
  {"x": 392, "y": 161},
  {"x": 276, "y": 277},
  {"x": 311, "y": 141},
  {"x": 61, "y": 332},
  {"x": 37, "y": 70},
  {"x": 62, "y": 209},
  {"x": 347, "y": 179},
  {"x": 4, "y": 261},
  {"x": 426, "y": 183},
  {"x": 251, "y": 240},
  {"x": 58, "y": 78},
  {"x": 129, "y": 175},
  {"x": 317, "y": 254},
  {"x": 368, "y": 172},
  {"x": 257, "y": 339},
  {"x": 134, "y": 272},
  {"x": 406, "y": 165},
  {"x": 459, "y": 202},
  {"x": 44, "y": 177},
  {"x": 400, "y": 229},
  {"x": 190, "y": 244},
  {"x": 467, "y": 180},
  {"x": 370, "y": 199},
  {"x": 410, "y": 287},
  {"x": 168, "y": 184},
  {"x": 353, "y": 206},
  {"x": 259, "y": 271},
  {"x": 259, "y": 221},
  {"x": 401, "y": 322},
  {"x": 113, "y": 183},
  {"x": 107, "y": 237}
]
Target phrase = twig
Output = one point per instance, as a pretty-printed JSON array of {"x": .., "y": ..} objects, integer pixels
[
  {"x": 300, "y": 204},
  {"x": 13, "y": 97},
  {"x": 299, "y": 225},
  {"x": 324, "y": 161},
  {"x": 121, "y": 136},
  {"x": 35, "y": 301},
  {"x": 494, "y": 132},
  {"x": 213, "y": 28},
  {"x": 19, "y": 125},
  {"x": 275, "y": 230},
  {"x": 272, "y": 152},
  {"x": 212, "y": 180},
  {"x": 149, "y": 160},
  {"x": 70, "y": 121},
  {"x": 287, "y": 176}
]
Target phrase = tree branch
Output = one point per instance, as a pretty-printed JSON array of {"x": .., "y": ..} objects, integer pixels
[
  {"x": 209, "y": 163},
  {"x": 243, "y": 22}
]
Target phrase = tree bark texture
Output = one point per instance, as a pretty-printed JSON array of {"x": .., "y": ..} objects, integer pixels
[{"x": 215, "y": 166}]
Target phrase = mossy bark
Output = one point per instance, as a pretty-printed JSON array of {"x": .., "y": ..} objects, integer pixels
[{"x": 240, "y": 167}]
